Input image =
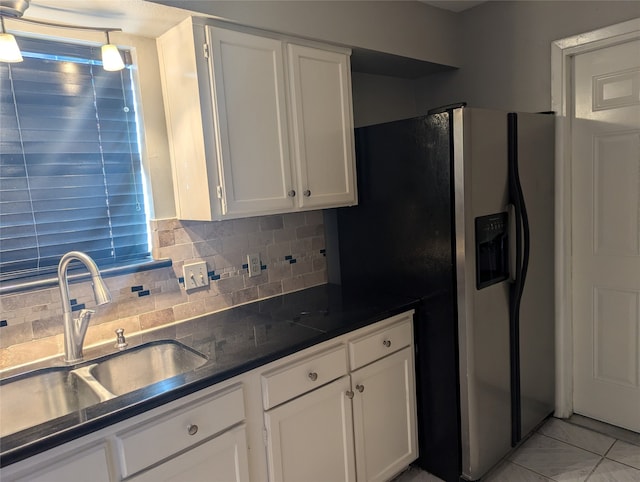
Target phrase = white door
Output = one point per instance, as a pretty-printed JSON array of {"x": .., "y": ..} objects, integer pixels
[
  {"x": 384, "y": 416},
  {"x": 606, "y": 234},
  {"x": 250, "y": 98},
  {"x": 322, "y": 126},
  {"x": 310, "y": 438},
  {"x": 89, "y": 464},
  {"x": 221, "y": 459}
]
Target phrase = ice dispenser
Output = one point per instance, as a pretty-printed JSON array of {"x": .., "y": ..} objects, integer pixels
[{"x": 492, "y": 249}]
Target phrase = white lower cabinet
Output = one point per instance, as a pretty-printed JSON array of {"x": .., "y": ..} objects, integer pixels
[
  {"x": 359, "y": 427},
  {"x": 311, "y": 437},
  {"x": 159, "y": 440},
  {"x": 200, "y": 437},
  {"x": 343, "y": 410},
  {"x": 384, "y": 417},
  {"x": 221, "y": 459},
  {"x": 90, "y": 463}
]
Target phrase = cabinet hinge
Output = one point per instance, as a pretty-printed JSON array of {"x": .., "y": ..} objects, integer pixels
[
  {"x": 205, "y": 50},
  {"x": 219, "y": 192},
  {"x": 265, "y": 437}
]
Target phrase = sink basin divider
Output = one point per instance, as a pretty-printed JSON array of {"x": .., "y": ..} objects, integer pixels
[{"x": 84, "y": 374}]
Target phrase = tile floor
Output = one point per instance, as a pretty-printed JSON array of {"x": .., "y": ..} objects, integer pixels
[{"x": 577, "y": 450}]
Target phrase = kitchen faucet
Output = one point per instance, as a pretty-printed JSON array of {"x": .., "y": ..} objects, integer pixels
[{"x": 75, "y": 329}]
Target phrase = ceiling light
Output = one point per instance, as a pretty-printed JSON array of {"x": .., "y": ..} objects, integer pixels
[{"x": 9, "y": 50}]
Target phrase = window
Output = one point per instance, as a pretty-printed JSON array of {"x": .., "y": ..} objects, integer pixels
[{"x": 70, "y": 169}]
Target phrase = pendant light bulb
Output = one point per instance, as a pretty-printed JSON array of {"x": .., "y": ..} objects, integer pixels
[
  {"x": 9, "y": 50},
  {"x": 111, "y": 58}
]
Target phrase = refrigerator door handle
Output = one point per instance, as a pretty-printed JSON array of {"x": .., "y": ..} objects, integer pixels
[{"x": 512, "y": 248}]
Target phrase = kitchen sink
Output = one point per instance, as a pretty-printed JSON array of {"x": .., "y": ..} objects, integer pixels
[
  {"x": 37, "y": 397},
  {"x": 145, "y": 365},
  {"x": 40, "y": 396}
]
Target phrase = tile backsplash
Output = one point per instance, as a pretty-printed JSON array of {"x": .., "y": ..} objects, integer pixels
[{"x": 292, "y": 254}]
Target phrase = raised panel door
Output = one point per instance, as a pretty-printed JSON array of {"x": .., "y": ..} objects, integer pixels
[
  {"x": 322, "y": 126},
  {"x": 310, "y": 438},
  {"x": 384, "y": 415},
  {"x": 221, "y": 459},
  {"x": 606, "y": 234},
  {"x": 89, "y": 464},
  {"x": 250, "y": 97}
]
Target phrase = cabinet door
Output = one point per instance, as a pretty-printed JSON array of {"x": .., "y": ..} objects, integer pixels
[
  {"x": 322, "y": 126},
  {"x": 221, "y": 459},
  {"x": 89, "y": 464},
  {"x": 250, "y": 98},
  {"x": 311, "y": 437},
  {"x": 384, "y": 414}
]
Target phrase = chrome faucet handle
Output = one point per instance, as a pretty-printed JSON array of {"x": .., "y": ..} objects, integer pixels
[
  {"x": 84, "y": 316},
  {"x": 121, "y": 343}
]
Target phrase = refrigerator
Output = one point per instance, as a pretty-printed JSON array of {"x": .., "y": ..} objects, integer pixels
[{"x": 456, "y": 209}]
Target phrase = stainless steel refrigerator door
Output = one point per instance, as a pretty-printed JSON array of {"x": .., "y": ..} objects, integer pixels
[
  {"x": 537, "y": 309},
  {"x": 481, "y": 188}
]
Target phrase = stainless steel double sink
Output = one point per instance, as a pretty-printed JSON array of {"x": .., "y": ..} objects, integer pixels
[{"x": 42, "y": 395}]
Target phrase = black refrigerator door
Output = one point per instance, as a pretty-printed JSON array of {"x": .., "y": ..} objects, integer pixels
[{"x": 399, "y": 239}]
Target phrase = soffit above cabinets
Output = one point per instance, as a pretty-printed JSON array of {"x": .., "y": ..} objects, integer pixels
[{"x": 380, "y": 63}]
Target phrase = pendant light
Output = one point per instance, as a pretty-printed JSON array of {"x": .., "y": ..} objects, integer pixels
[
  {"x": 111, "y": 58},
  {"x": 9, "y": 50}
]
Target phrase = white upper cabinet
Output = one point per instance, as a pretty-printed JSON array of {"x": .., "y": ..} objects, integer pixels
[
  {"x": 322, "y": 126},
  {"x": 268, "y": 121},
  {"x": 250, "y": 100}
]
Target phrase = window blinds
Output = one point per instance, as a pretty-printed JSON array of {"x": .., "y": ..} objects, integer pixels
[{"x": 70, "y": 170}]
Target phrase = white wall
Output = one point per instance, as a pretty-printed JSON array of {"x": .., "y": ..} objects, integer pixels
[
  {"x": 378, "y": 98},
  {"x": 405, "y": 28},
  {"x": 506, "y": 59}
]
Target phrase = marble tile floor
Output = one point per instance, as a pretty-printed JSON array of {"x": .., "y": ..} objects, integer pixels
[{"x": 575, "y": 450}]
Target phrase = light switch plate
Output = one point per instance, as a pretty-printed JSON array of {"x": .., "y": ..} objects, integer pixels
[
  {"x": 253, "y": 262},
  {"x": 195, "y": 275}
]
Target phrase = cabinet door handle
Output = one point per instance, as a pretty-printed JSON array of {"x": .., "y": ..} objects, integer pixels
[
  {"x": 307, "y": 193},
  {"x": 360, "y": 388},
  {"x": 313, "y": 376},
  {"x": 349, "y": 394},
  {"x": 387, "y": 343},
  {"x": 291, "y": 193},
  {"x": 192, "y": 429}
]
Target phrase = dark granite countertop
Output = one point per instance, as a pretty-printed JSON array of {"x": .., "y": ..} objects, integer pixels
[{"x": 235, "y": 341}]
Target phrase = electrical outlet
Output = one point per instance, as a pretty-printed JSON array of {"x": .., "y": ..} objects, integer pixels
[
  {"x": 195, "y": 275},
  {"x": 253, "y": 260}
]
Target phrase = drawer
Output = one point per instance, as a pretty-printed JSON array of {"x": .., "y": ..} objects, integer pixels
[
  {"x": 296, "y": 378},
  {"x": 379, "y": 343},
  {"x": 179, "y": 429}
]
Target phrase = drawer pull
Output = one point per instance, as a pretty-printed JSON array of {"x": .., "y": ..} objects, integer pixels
[
  {"x": 387, "y": 343},
  {"x": 307, "y": 193},
  {"x": 192, "y": 429},
  {"x": 360, "y": 388},
  {"x": 349, "y": 394},
  {"x": 291, "y": 193},
  {"x": 313, "y": 376}
]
